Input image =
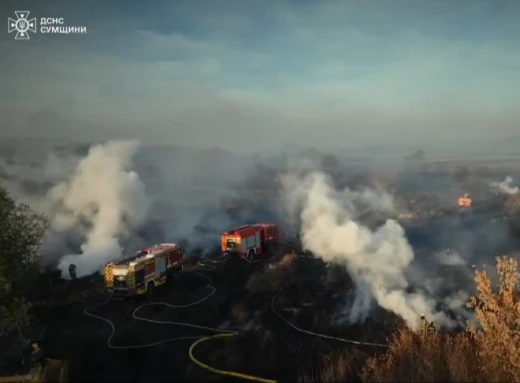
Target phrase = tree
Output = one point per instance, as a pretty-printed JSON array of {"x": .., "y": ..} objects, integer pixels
[
  {"x": 498, "y": 313},
  {"x": 486, "y": 352},
  {"x": 21, "y": 235}
]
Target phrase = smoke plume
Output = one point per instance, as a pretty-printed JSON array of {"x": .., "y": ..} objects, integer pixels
[
  {"x": 120, "y": 197},
  {"x": 376, "y": 259},
  {"x": 104, "y": 197},
  {"x": 95, "y": 197},
  {"x": 506, "y": 186}
]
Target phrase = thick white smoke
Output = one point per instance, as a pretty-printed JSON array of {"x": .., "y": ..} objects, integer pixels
[
  {"x": 376, "y": 260},
  {"x": 506, "y": 186},
  {"x": 106, "y": 198},
  {"x": 184, "y": 187}
]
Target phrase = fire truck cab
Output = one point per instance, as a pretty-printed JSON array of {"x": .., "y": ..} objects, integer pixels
[
  {"x": 249, "y": 241},
  {"x": 141, "y": 272}
]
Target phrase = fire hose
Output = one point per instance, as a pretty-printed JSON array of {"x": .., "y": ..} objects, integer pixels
[
  {"x": 135, "y": 316},
  {"x": 317, "y": 334},
  {"x": 222, "y": 333},
  {"x": 199, "y": 339},
  {"x": 223, "y": 372}
]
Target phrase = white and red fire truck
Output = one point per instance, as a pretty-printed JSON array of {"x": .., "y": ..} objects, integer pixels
[
  {"x": 249, "y": 240},
  {"x": 141, "y": 272}
]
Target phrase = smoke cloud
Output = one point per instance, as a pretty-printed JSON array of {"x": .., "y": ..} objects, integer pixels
[
  {"x": 118, "y": 197},
  {"x": 506, "y": 186},
  {"x": 105, "y": 197},
  {"x": 376, "y": 259}
]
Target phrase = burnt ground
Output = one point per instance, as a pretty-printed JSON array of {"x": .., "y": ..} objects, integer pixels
[{"x": 265, "y": 346}]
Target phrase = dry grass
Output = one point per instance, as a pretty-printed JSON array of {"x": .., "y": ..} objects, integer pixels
[
  {"x": 489, "y": 352},
  {"x": 346, "y": 366},
  {"x": 433, "y": 358}
]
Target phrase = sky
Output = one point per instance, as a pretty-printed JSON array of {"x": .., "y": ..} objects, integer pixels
[{"x": 249, "y": 75}]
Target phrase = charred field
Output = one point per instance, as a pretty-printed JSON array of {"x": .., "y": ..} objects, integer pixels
[
  {"x": 243, "y": 301},
  {"x": 263, "y": 301},
  {"x": 271, "y": 304}
]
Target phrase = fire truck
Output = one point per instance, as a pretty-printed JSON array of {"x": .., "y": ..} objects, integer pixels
[
  {"x": 141, "y": 272},
  {"x": 249, "y": 240}
]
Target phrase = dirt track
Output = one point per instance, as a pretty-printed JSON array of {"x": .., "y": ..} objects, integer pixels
[{"x": 266, "y": 346}]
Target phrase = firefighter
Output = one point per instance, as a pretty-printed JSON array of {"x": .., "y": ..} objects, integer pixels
[
  {"x": 72, "y": 271},
  {"x": 38, "y": 355}
]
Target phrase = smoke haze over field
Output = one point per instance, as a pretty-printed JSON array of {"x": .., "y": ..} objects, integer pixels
[
  {"x": 116, "y": 197},
  {"x": 195, "y": 117},
  {"x": 376, "y": 259},
  {"x": 112, "y": 198}
]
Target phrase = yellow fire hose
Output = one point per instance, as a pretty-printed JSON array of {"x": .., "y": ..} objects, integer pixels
[{"x": 223, "y": 372}]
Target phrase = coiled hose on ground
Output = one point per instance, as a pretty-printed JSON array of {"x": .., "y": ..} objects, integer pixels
[{"x": 221, "y": 333}]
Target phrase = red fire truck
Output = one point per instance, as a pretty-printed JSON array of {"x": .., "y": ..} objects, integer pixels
[{"x": 249, "y": 240}]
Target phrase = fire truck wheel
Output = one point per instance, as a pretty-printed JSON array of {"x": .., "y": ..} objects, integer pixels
[{"x": 149, "y": 290}]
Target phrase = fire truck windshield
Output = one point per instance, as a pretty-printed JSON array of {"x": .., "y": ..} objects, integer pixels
[{"x": 231, "y": 244}]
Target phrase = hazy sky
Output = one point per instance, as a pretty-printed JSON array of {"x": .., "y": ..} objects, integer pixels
[{"x": 250, "y": 74}]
